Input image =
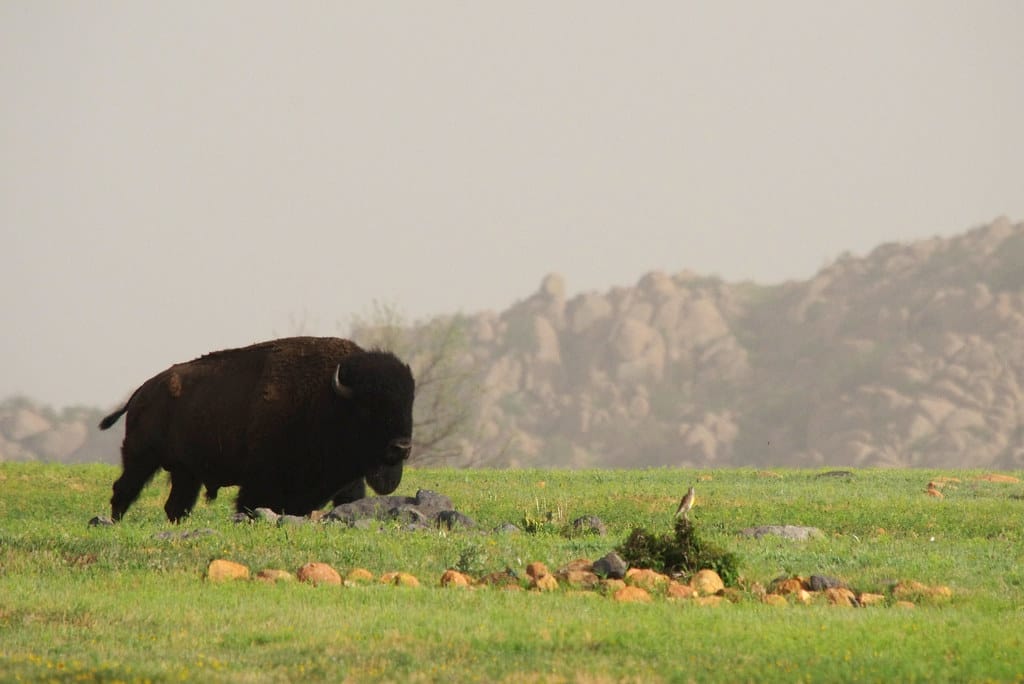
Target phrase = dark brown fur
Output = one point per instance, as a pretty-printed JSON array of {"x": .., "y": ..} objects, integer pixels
[{"x": 265, "y": 417}]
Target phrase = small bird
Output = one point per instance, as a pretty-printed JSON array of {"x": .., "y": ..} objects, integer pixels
[{"x": 686, "y": 504}]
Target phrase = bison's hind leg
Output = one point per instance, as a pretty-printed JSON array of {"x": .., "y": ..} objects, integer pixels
[{"x": 184, "y": 492}]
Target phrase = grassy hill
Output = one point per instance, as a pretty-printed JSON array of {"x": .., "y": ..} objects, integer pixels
[{"x": 128, "y": 603}]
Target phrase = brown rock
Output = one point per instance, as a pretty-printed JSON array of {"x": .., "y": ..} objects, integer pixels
[
  {"x": 580, "y": 578},
  {"x": 931, "y": 491},
  {"x": 995, "y": 477},
  {"x": 708, "y": 600},
  {"x": 399, "y": 579},
  {"x": 840, "y": 596},
  {"x": 223, "y": 570},
  {"x": 908, "y": 588},
  {"x": 805, "y": 597},
  {"x": 610, "y": 586},
  {"x": 789, "y": 585},
  {"x": 454, "y": 578},
  {"x": 680, "y": 591},
  {"x": 579, "y": 564},
  {"x": 359, "y": 576},
  {"x": 707, "y": 582},
  {"x": 272, "y": 576},
  {"x": 645, "y": 578},
  {"x": 866, "y": 599},
  {"x": 544, "y": 583},
  {"x": 904, "y": 604},
  {"x": 630, "y": 594},
  {"x": 536, "y": 569},
  {"x": 499, "y": 579},
  {"x": 774, "y": 600},
  {"x": 318, "y": 573}
]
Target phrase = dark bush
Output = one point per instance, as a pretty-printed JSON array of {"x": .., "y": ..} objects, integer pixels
[{"x": 682, "y": 551}]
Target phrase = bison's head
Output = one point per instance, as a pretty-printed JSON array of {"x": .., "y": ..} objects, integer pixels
[{"x": 380, "y": 389}]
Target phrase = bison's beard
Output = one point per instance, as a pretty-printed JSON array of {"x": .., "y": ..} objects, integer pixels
[{"x": 384, "y": 478}]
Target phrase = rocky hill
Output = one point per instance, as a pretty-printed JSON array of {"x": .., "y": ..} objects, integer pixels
[{"x": 910, "y": 356}]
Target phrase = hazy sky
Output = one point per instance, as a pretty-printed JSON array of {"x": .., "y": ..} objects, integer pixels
[{"x": 178, "y": 177}]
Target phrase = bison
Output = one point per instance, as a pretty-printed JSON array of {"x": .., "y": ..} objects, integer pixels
[{"x": 295, "y": 422}]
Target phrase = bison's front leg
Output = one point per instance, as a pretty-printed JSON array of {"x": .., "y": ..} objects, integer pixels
[
  {"x": 184, "y": 492},
  {"x": 353, "y": 491}
]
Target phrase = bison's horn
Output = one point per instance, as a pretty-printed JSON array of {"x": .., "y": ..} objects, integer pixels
[{"x": 341, "y": 390}]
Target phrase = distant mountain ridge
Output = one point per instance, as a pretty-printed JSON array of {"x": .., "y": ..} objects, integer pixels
[{"x": 910, "y": 356}]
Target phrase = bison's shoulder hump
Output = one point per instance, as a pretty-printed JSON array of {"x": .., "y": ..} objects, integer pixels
[{"x": 289, "y": 346}]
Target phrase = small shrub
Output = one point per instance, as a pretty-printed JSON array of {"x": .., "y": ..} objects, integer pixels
[
  {"x": 682, "y": 551},
  {"x": 472, "y": 560}
]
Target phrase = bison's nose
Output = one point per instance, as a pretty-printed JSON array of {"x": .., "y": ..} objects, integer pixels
[{"x": 399, "y": 449}]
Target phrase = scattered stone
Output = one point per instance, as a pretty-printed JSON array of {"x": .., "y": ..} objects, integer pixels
[
  {"x": 996, "y": 477},
  {"x": 291, "y": 520},
  {"x": 774, "y": 600},
  {"x": 318, "y": 573},
  {"x": 399, "y": 579},
  {"x": 101, "y": 521},
  {"x": 630, "y": 594},
  {"x": 611, "y": 566},
  {"x": 452, "y": 519},
  {"x": 578, "y": 564},
  {"x": 866, "y": 599},
  {"x": 221, "y": 570},
  {"x": 707, "y": 582},
  {"x": 841, "y": 596},
  {"x": 805, "y": 597},
  {"x": 505, "y": 579},
  {"x": 708, "y": 600},
  {"x": 787, "y": 585},
  {"x": 589, "y": 524},
  {"x": 359, "y": 576},
  {"x": 241, "y": 517},
  {"x": 579, "y": 578},
  {"x": 913, "y": 590},
  {"x": 508, "y": 528},
  {"x": 431, "y": 503},
  {"x": 821, "y": 583},
  {"x": 536, "y": 569},
  {"x": 168, "y": 535},
  {"x": 265, "y": 514},
  {"x": 931, "y": 491},
  {"x": 544, "y": 583},
  {"x": 677, "y": 590},
  {"x": 408, "y": 514},
  {"x": 273, "y": 576},
  {"x": 610, "y": 586},
  {"x": 423, "y": 511},
  {"x": 646, "y": 578},
  {"x": 795, "y": 532},
  {"x": 454, "y": 578}
]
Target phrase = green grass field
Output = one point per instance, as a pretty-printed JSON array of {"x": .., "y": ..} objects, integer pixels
[{"x": 118, "y": 604}]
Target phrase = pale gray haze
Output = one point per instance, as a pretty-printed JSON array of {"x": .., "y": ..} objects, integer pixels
[{"x": 179, "y": 177}]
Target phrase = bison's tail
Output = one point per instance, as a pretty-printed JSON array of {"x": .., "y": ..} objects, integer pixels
[{"x": 112, "y": 418}]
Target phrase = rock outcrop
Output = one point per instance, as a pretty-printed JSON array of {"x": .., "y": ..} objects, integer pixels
[{"x": 908, "y": 356}]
